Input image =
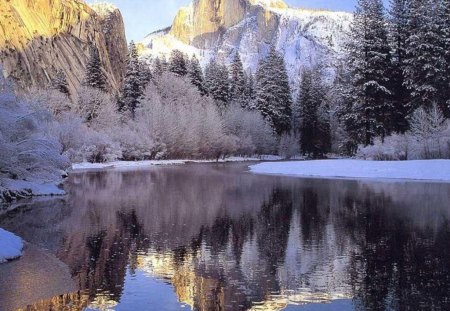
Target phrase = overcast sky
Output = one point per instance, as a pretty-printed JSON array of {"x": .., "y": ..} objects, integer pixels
[{"x": 144, "y": 16}]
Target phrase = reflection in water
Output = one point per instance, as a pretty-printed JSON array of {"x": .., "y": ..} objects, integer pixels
[{"x": 212, "y": 237}]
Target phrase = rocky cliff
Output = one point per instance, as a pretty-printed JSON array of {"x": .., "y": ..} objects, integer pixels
[
  {"x": 220, "y": 28},
  {"x": 40, "y": 37}
]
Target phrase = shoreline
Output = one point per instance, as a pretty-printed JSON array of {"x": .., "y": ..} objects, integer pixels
[{"x": 348, "y": 169}]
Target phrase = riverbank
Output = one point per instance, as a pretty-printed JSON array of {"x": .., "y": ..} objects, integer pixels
[
  {"x": 12, "y": 190},
  {"x": 423, "y": 170},
  {"x": 143, "y": 164}
]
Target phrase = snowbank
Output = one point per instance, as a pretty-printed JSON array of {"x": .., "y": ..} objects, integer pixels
[
  {"x": 141, "y": 164},
  {"x": 436, "y": 170},
  {"x": 16, "y": 189},
  {"x": 11, "y": 246}
]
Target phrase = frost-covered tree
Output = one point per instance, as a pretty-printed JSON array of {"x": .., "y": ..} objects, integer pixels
[
  {"x": 444, "y": 31},
  {"x": 398, "y": 30},
  {"x": 145, "y": 73},
  {"x": 423, "y": 55},
  {"x": 313, "y": 124},
  {"x": 370, "y": 63},
  {"x": 60, "y": 83},
  {"x": 237, "y": 80},
  {"x": 178, "y": 63},
  {"x": 158, "y": 68},
  {"x": 195, "y": 74},
  {"x": 137, "y": 77},
  {"x": 27, "y": 149},
  {"x": 248, "y": 101},
  {"x": 217, "y": 83},
  {"x": 97, "y": 108},
  {"x": 132, "y": 85},
  {"x": 289, "y": 145},
  {"x": 427, "y": 127},
  {"x": 252, "y": 134},
  {"x": 176, "y": 121},
  {"x": 273, "y": 93},
  {"x": 95, "y": 76},
  {"x": 53, "y": 100}
]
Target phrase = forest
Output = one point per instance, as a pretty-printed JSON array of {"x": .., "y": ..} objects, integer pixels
[{"x": 389, "y": 100}]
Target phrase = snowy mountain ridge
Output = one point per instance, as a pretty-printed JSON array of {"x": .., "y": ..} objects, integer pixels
[{"x": 219, "y": 29}]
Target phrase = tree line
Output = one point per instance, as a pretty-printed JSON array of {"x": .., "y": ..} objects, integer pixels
[
  {"x": 395, "y": 80},
  {"x": 398, "y": 62}
]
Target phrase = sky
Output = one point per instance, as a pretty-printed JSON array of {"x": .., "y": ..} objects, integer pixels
[{"x": 143, "y": 16}]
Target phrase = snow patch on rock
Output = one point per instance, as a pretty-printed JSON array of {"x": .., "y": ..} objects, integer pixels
[
  {"x": 11, "y": 246},
  {"x": 103, "y": 8}
]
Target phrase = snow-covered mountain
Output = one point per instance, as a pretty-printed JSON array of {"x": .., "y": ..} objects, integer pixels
[{"x": 219, "y": 28}]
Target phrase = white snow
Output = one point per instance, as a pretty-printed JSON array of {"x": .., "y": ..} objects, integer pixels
[
  {"x": 432, "y": 170},
  {"x": 103, "y": 8},
  {"x": 304, "y": 37},
  {"x": 37, "y": 188},
  {"x": 143, "y": 164},
  {"x": 11, "y": 246}
]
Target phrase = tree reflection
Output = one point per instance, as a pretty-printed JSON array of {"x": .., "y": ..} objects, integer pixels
[{"x": 227, "y": 240}]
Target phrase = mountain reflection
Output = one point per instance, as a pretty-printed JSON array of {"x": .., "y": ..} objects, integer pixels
[{"x": 228, "y": 240}]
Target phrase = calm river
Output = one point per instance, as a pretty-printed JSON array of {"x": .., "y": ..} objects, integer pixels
[{"x": 216, "y": 237}]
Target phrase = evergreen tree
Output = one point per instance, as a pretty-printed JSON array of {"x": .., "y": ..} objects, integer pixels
[
  {"x": 248, "y": 101},
  {"x": 313, "y": 124},
  {"x": 195, "y": 74},
  {"x": 94, "y": 73},
  {"x": 399, "y": 35},
  {"x": 273, "y": 94},
  {"x": 177, "y": 63},
  {"x": 444, "y": 31},
  {"x": 133, "y": 83},
  {"x": 217, "y": 83},
  {"x": 423, "y": 55},
  {"x": 60, "y": 83},
  {"x": 164, "y": 64},
  {"x": 145, "y": 74},
  {"x": 158, "y": 67},
  {"x": 369, "y": 59},
  {"x": 237, "y": 83}
]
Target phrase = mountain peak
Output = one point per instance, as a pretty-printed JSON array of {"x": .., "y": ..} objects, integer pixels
[
  {"x": 276, "y": 4},
  {"x": 104, "y": 9},
  {"x": 220, "y": 28}
]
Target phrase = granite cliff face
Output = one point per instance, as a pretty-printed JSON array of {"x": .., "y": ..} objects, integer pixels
[
  {"x": 220, "y": 28},
  {"x": 40, "y": 37}
]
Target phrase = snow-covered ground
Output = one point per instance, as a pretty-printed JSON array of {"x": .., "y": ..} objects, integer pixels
[
  {"x": 433, "y": 170},
  {"x": 143, "y": 164},
  {"x": 14, "y": 189},
  {"x": 11, "y": 246}
]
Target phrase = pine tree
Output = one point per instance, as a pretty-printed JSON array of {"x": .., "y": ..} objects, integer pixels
[
  {"x": 369, "y": 59},
  {"x": 133, "y": 83},
  {"x": 217, "y": 83},
  {"x": 313, "y": 124},
  {"x": 94, "y": 73},
  {"x": 443, "y": 17},
  {"x": 423, "y": 55},
  {"x": 157, "y": 67},
  {"x": 273, "y": 94},
  {"x": 195, "y": 74},
  {"x": 145, "y": 74},
  {"x": 60, "y": 83},
  {"x": 177, "y": 63},
  {"x": 237, "y": 82},
  {"x": 248, "y": 101},
  {"x": 398, "y": 36}
]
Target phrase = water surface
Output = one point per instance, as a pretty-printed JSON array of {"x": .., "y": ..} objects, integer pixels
[{"x": 215, "y": 237}]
